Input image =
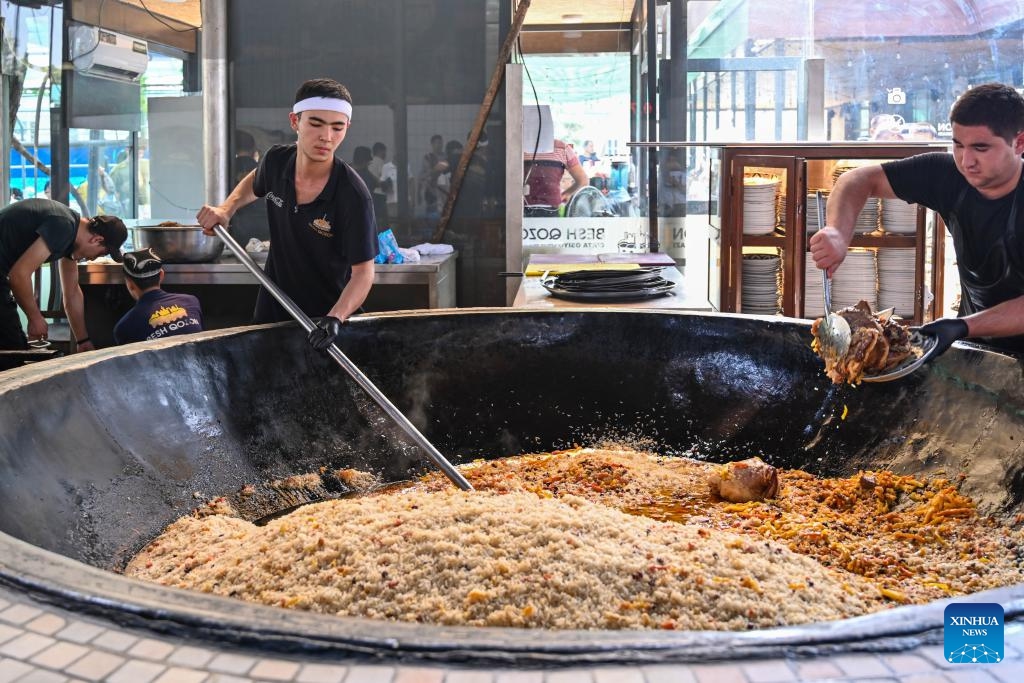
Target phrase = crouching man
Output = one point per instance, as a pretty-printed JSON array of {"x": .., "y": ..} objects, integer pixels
[{"x": 156, "y": 314}]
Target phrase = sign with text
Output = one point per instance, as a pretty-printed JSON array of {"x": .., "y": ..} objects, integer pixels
[{"x": 973, "y": 633}]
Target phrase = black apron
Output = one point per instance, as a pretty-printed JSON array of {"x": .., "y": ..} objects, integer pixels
[{"x": 998, "y": 277}]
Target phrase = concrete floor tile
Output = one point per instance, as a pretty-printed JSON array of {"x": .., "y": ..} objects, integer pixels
[
  {"x": 669, "y": 673},
  {"x": 718, "y": 673},
  {"x": 862, "y": 666},
  {"x": 20, "y": 614},
  {"x": 907, "y": 663},
  {"x": 47, "y": 624},
  {"x": 227, "y": 678},
  {"x": 227, "y": 663},
  {"x": 60, "y": 655},
  {"x": 469, "y": 677},
  {"x": 970, "y": 674},
  {"x": 12, "y": 669},
  {"x": 768, "y": 671},
  {"x": 9, "y": 633},
  {"x": 148, "y": 648},
  {"x": 334, "y": 673},
  {"x": 114, "y": 641},
  {"x": 26, "y": 645},
  {"x": 575, "y": 676},
  {"x": 816, "y": 670},
  {"x": 370, "y": 674},
  {"x": 42, "y": 676},
  {"x": 932, "y": 677},
  {"x": 1007, "y": 672},
  {"x": 179, "y": 675},
  {"x": 274, "y": 670},
  {"x": 137, "y": 672},
  {"x": 617, "y": 674},
  {"x": 517, "y": 677},
  {"x": 80, "y": 632},
  {"x": 95, "y": 666},
  {"x": 195, "y": 657}
]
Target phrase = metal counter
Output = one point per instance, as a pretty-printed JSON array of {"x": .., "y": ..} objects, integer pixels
[
  {"x": 436, "y": 273},
  {"x": 227, "y": 290}
]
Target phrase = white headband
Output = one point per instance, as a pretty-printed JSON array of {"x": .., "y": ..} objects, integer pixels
[{"x": 326, "y": 103}]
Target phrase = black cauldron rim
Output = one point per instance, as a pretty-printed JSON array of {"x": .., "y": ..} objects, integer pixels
[{"x": 69, "y": 584}]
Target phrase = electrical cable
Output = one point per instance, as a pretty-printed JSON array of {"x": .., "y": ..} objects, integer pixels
[{"x": 157, "y": 17}]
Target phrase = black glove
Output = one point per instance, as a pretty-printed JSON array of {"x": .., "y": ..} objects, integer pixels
[
  {"x": 326, "y": 331},
  {"x": 946, "y": 331}
]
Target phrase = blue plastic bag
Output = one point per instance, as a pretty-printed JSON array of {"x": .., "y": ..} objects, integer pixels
[{"x": 388, "y": 252}]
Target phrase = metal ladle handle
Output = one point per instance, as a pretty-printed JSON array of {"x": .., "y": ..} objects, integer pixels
[
  {"x": 826, "y": 281},
  {"x": 362, "y": 380}
]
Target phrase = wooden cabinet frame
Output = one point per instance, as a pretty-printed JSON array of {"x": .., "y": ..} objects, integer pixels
[{"x": 791, "y": 160}]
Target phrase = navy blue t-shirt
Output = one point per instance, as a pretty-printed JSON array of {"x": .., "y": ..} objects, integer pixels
[
  {"x": 22, "y": 223},
  {"x": 312, "y": 246},
  {"x": 158, "y": 314}
]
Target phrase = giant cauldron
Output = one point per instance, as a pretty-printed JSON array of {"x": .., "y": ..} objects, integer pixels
[{"x": 99, "y": 452}]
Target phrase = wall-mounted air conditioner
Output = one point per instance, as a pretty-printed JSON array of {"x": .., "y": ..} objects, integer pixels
[{"x": 101, "y": 52}]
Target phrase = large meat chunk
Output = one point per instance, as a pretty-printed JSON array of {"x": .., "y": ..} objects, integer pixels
[{"x": 877, "y": 343}]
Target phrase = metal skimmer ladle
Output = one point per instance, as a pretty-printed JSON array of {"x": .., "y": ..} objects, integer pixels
[{"x": 833, "y": 330}]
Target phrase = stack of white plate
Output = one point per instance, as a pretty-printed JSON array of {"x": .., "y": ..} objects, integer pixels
[
  {"x": 898, "y": 217},
  {"x": 896, "y": 281},
  {"x": 814, "y": 305},
  {"x": 812, "y": 210},
  {"x": 761, "y": 276},
  {"x": 759, "y": 206},
  {"x": 867, "y": 219},
  {"x": 856, "y": 280}
]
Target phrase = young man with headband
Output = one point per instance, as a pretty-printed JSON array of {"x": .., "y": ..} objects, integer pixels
[
  {"x": 37, "y": 231},
  {"x": 323, "y": 237}
]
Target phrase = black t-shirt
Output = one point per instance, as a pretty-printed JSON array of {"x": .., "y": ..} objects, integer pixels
[
  {"x": 159, "y": 314},
  {"x": 312, "y": 246},
  {"x": 989, "y": 251},
  {"x": 22, "y": 223},
  {"x": 933, "y": 180}
]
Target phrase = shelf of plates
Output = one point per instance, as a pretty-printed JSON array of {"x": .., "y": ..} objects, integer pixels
[{"x": 769, "y": 209}]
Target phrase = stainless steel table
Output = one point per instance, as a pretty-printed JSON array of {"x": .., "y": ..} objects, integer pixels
[{"x": 227, "y": 290}]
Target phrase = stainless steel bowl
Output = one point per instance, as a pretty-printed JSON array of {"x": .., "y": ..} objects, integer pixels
[{"x": 178, "y": 244}]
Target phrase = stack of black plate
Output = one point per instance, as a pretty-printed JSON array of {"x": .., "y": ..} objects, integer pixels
[{"x": 608, "y": 285}]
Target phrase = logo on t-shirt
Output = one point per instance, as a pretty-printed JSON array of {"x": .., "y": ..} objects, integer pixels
[
  {"x": 275, "y": 200},
  {"x": 322, "y": 226},
  {"x": 166, "y": 315}
]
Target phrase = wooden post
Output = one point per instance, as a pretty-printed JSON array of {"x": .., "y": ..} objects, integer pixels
[{"x": 481, "y": 118}]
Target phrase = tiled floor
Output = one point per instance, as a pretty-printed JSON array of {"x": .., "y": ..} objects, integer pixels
[{"x": 43, "y": 644}]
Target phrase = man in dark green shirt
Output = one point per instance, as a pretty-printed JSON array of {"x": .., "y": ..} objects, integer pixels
[{"x": 38, "y": 231}]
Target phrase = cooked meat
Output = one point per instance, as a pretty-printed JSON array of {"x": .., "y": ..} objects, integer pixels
[
  {"x": 744, "y": 480},
  {"x": 877, "y": 343},
  {"x": 169, "y": 224}
]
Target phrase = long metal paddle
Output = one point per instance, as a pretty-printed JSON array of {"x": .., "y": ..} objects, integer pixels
[{"x": 342, "y": 360}]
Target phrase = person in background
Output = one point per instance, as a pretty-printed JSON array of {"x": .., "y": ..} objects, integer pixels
[
  {"x": 452, "y": 154},
  {"x": 543, "y": 173},
  {"x": 322, "y": 234},
  {"x": 433, "y": 165},
  {"x": 922, "y": 130},
  {"x": 37, "y": 231},
  {"x": 361, "y": 158},
  {"x": 881, "y": 123},
  {"x": 385, "y": 185},
  {"x": 589, "y": 158},
  {"x": 246, "y": 156},
  {"x": 121, "y": 177},
  {"x": 16, "y": 194},
  {"x": 156, "y": 314},
  {"x": 979, "y": 192}
]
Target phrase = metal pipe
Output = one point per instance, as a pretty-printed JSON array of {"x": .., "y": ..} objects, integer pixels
[
  {"x": 362, "y": 380},
  {"x": 215, "y": 105}
]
